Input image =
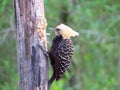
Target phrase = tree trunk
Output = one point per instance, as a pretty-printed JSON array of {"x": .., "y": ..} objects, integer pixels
[{"x": 31, "y": 44}]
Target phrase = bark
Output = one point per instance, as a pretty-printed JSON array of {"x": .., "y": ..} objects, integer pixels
[{"x": 31, "y": 42}]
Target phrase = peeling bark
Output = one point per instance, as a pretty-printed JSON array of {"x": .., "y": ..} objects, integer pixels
[{"x": 31, "y": 33}]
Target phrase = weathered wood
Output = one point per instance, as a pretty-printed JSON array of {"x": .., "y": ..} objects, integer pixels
[{"x": 32, "y": 63}]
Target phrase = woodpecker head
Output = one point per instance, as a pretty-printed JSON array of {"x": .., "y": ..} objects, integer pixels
[{"x": 65, "y": 31}]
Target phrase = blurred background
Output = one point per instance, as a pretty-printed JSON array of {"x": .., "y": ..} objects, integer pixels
[{"x": 96, "y": 60}]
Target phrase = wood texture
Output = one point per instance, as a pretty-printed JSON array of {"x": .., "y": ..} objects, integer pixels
[{"x": 32, "y": 63}]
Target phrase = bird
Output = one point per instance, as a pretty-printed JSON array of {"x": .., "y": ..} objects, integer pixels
[{"x": 61, "y": 51}]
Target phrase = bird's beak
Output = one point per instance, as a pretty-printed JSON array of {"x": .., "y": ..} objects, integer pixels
[{"x": 53, "y": 29}]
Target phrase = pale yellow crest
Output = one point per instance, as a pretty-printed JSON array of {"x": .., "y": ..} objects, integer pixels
[{"x": 66, "y": 31}]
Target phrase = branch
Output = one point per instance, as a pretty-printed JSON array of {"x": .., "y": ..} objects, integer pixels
[{"x": 6, "y": 32}]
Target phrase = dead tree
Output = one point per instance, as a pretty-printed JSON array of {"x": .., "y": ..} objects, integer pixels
[{"x": 31, "y": 44}]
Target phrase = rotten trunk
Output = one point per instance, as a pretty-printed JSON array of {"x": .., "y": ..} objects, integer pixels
[{"x": 32, "y": 62}]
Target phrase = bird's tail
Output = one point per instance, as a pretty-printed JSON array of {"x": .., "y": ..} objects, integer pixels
[{"x": 51, "y": 80}]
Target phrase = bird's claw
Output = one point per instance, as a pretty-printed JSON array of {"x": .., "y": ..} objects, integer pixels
[{"x": 44, "y": 50}]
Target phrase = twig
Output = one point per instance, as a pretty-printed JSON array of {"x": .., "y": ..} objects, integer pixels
[
  {"x": 90, "y": 32},
  {"x": 107, "y": 29},
  {"x": 6, "y": 32}
]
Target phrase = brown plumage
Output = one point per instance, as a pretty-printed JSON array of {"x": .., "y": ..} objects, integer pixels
[
  {"x": 61, "y": 50},
  {"x": 60, "y": 55}
]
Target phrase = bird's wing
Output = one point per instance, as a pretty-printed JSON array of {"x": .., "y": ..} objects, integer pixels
[{"x": 63, "y": 56}]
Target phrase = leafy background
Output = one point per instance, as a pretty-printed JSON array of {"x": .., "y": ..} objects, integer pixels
[{"x": 96, "y": 60}]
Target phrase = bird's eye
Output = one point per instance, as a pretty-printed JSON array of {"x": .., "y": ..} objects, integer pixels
[{"x": 57, "y": 29}]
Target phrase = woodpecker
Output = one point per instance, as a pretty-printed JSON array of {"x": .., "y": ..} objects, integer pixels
[{"x": 61, "y": 51}]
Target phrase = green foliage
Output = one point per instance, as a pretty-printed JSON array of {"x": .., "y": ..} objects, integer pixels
[
  {"x": 6, "y": 13},
  {"x": 96, "y": 56},
  {"x": 8, "y": 65}
]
